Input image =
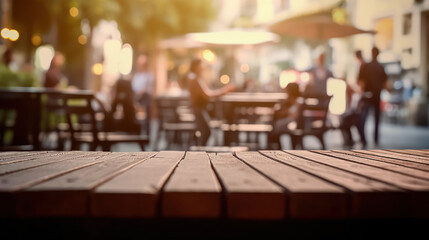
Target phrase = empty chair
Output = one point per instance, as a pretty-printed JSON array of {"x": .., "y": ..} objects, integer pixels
[
  {"x": 84, "y": 110},
  {"x": 312, "y": 120}
]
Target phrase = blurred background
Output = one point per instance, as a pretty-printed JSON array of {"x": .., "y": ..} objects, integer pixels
[{"x": 250, "y": 43}]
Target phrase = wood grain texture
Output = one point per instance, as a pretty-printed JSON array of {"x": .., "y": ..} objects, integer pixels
[
  {"x": 309, "y": 197},
  {"x": 394, "y": 178},
  {"x": 419, "y": 187},
  {"x": 68, "y": 194},
  {"x": 379, "y": 164},
  {"x": 392, "y": 155},
  {"x": 27, "y": 157},
  {"x": 11, "y": 183},
  {"x": 249, "y": 195},
  {"x": 7, "y": 156},
  {"x": 404, "y": 163},
  {"x": 36, "y": 161},
  {"x": 403, "y": 154},
  {"x": 193, "y": 190},
  {"x": 416, "y": 152},
  {"x": 366, "y": 195},
  {"x": 175, "y": 185},
  {"x": 136, "y": 192}
]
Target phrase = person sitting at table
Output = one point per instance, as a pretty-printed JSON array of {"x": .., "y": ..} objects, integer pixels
[
  {"x": 284, "y": 116},
  {"x": 200, "y": 94}
]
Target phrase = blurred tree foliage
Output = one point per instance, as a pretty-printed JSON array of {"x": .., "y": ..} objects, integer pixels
[
  {"x": 141, "y": 22},
  {"x": 147, "y": 21},
  {"x": 9, "y": 78}
]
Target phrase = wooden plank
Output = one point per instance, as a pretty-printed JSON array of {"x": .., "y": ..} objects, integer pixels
[
  {"x": 383, "y": 153},
  {"x": 249, "y": 195},
  {"x": 404, "y": 163},
  {"x": 10, "y": 156},
  {"x": 397, "y": 179},
  {"x": 68, "y": 194},
  {"x": 309, "y": 197},
  {"x": 419, "y": 187},
  {"x": 411, "y": 152},
  {"x": 379, "y": 164},
  {"x": 369, "y": 198},
  {"x": 136, "y": 192},
  {"x": 193, "y": 189},
  {"x": 37, "y": 161},
  {"x": 401, "y": 154},
  {"x": 13, "y": 182},
  {"x": 36, "y": 156},
  {"x": 424, "y": 151}
]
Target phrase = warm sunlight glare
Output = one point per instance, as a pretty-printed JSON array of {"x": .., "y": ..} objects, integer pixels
[
  {"x": 126, "y": 59},
  {"x": 286, "y": 77},
  {"x": 44, "y": 55},
  {"x": 337, "y": 89}
]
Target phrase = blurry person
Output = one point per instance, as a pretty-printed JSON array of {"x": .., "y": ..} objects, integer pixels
[
  {"x": 319, "y": 78},
  {"x": 359, "y": 58},
  {"x": 7, "y": 57},
  {"x": 8, "y": 60},
  {"x": 54, "y": 77},
  {"x": 143, "y": 85},
  {"x": 286, "y": 114},
  {"x": 123, "y": 96},
  {"x": 372, "y": 80},
  {"x": 352, "y": 116},
  {"x": 143, "y": 81},
  {"x": 200, "y": 94}
]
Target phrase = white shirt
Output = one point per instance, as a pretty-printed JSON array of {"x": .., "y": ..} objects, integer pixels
[{"x": 143, "y": 81}]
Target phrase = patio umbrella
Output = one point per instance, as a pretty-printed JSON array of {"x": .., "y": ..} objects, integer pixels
[
  {"x": 315, "y": 27},
  {"x": 227, "y": 38}
]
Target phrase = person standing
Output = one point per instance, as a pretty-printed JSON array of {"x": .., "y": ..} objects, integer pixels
[
  {"x": 319, "y": 78},
  {"x": 372, "y": 80},
  {"x": 352, "y": 116},
  {"x": 143, "y": 85},
  {"x": 54, "y": 77},
  {"x": 200, "y": 94}
]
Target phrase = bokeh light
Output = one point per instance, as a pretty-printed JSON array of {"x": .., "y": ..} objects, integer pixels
[
  {"x": 10, "y": 34},
  {"x": 208, "y": 55},
  {"x": 337, "y": 89},
  {"x": 224, "y": 79},
  {"x": 126, "y": 59},
  {"x": 82, "y": 39},
  {"x": 244, "y": 68},
  {"x": 286, "y": 77},
  {"x": 97, "y": 69},
  {"x": 5, "y": 33},
  {"x": 74, "y": 11},
  {"x": 13, "y": 35},
  {"x": 183, "y": 68},
  {"x": 36, "y": 40},
  {"x": 305, "y": 77},
  {"x": 43, "y": 57}
]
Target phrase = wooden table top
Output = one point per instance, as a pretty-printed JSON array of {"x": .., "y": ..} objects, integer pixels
[{"x": 299, "y": 184}]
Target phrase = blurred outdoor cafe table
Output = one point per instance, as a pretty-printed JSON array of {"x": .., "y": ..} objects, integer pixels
[
  {"x": 297, "y": 192},
  {"x": 249, "y": 112},
  {"x": 235, "y": 112},
  {"x": 27, "y": 103}
]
